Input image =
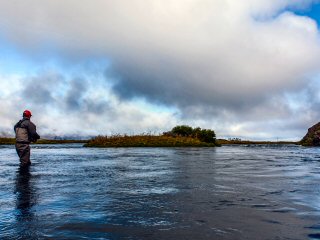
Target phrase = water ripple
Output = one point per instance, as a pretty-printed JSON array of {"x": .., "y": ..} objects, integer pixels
[{"x": 232, "y": 192}]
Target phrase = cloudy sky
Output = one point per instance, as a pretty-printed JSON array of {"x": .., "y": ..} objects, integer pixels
[{"x": 248, "y": 69}]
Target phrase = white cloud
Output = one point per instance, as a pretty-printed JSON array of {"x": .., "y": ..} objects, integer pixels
[
  {"x": 218, "y": 61},
  {"x": 60, "y": 106}
]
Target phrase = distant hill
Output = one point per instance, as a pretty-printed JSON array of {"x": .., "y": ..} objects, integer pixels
[{"x": 312, "y": 138}]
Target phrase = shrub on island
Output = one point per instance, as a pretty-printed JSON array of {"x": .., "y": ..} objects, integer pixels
[{"x": 204, "y": 135}]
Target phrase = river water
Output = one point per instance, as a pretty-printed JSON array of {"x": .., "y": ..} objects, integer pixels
[{"x": 231, "y": 192}]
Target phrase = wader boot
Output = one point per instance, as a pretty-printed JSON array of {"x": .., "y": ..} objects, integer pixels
[{"x": 23, "y": 151}]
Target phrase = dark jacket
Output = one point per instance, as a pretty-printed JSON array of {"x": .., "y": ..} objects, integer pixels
[{"x": 26, "y": 131}]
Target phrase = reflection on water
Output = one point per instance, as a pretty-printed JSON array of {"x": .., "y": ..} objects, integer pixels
[
  {"x": 24, "y": 195},
  {"x": 25, "y": 200},
  {"x": 232, "y": 192}
]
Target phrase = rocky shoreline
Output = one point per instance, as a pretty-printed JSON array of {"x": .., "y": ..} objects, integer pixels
[{"x": 312, "y": 138}]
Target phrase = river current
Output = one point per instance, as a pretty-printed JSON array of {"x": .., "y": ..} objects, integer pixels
[{"x": 231, "y": 192}]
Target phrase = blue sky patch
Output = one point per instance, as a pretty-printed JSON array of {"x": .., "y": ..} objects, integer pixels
[{"x": 312, "y": 11}]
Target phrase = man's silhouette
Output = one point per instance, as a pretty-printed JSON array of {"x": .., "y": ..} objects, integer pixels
[{"x": 25, "y": 134}]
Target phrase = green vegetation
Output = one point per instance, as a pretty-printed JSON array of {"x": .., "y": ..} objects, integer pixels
[
  {"x": 204, "y": 135},
  {"x": 7, "y": 141},
  {"x": 179, "y": 136}
]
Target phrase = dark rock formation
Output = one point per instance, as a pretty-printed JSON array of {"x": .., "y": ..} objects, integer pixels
[{"x": 312, "y": 138}]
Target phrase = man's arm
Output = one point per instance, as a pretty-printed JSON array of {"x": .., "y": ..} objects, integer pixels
[
  {"x": 16, "y": 125},
  {"x": 34, "y": 136}
]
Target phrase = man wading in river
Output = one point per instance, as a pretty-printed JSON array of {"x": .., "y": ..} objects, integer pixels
[{"x": 25, "y": 134}]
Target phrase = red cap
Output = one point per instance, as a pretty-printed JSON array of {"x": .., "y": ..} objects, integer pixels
[{"x": 27, "y": 113}]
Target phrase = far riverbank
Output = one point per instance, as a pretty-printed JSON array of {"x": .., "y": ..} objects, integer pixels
[
  {"x": 149, "y": 141},
  {"x": 12, "y": 141}
]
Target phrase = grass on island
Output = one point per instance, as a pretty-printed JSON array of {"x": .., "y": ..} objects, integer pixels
[
  {"x": 146, "y": 141},
  {"x": 179, "y": 136},
  {"x": 7, "y": 141}
]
